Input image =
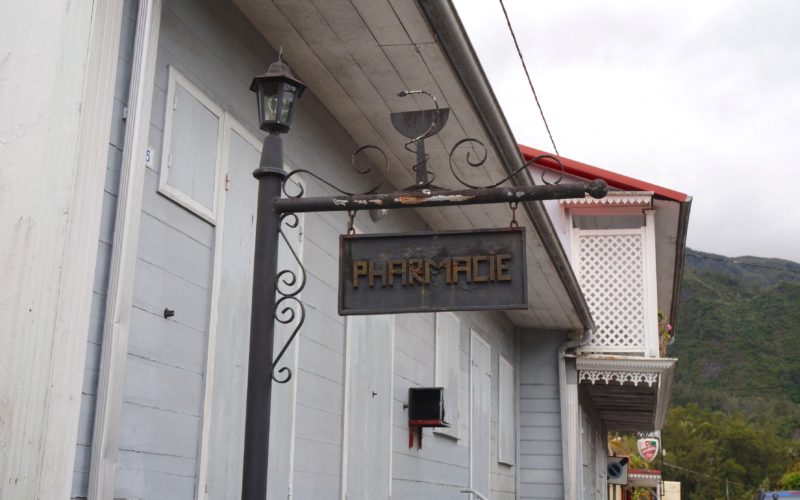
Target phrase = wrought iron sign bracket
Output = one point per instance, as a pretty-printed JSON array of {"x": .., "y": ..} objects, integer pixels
[
  {"x": 416, "y": 126},
  {"x": 289, "y": 309}
]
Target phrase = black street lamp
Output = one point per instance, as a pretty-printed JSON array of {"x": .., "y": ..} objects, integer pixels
[{"x": 277, "y": 91}]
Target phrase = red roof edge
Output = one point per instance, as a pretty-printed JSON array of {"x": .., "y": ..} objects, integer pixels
[{"x": 589, "y": 172}]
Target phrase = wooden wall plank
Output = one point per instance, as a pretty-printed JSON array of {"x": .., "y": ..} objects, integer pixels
[
  {"x": 382, "y": 21},
  {"x": 540, "y": 466}
]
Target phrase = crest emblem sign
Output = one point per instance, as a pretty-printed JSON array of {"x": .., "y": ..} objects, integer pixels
[{"x": 648, "y": 447}]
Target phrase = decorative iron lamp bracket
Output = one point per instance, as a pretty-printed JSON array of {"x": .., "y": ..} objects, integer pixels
[
  {"x": 276, "y": 292},
  {"x": 416, "y": 126}
]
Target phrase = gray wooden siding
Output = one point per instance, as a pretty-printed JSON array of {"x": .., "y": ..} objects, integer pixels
[
  {"x": 83, "y": 451},
  {"x": 162, "y": 414},
  {"x": 440, "y": 469},
  {"x": 540, "y": 467},
  {"x": 215, "y": 47}
]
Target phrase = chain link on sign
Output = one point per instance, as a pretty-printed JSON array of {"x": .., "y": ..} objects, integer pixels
[
  {"x": 350, "y": 229},
  {"x": 514, "y": 224}
]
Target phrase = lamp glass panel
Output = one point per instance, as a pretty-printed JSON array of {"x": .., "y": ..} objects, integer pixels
[
  {"x": 269, "y": 96},
  {"x": 288, "y": 95}
]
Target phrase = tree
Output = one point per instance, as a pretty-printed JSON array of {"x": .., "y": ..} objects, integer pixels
[
  {"x": 707, "y": 447},
  {"x": 790, "y": 480}
]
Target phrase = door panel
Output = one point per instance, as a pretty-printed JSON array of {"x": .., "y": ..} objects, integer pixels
[
  {"x": 237, "y": 230},
  {"x": 368, "y": 410},
  {"x": 480, "y": 421},
  {"x": 228, "y": 394}
]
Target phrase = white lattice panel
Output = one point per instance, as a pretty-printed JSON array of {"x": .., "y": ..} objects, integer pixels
[{"x": 611, "y": 274}]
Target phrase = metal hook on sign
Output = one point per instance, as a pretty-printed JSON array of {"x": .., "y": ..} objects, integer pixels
[
  {"x": 514, "y": 224},
  {"x": 350, "y": 229}
]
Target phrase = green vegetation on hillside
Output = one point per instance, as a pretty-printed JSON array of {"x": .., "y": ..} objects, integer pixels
[
  {"x": 736, "y": 401},
  {"x": 738, "y": 339},
  {"x": 705, "y": 449}
]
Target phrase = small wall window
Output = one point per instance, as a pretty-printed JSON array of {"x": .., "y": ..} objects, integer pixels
[
  {"x": 506, "y": 450},
  {"x": 448, "y": 369},
  {"x": 193, "y": 133}
]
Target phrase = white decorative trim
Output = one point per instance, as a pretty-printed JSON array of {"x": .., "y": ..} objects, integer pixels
[
  {"x": 664, "y": 396},
  {"x": 108, "y": 407},
  {"x": 644, "y": 479},
  {"x": 229, "y": 124},
  {"x": 346, "y": 406},
  {"x": 644, "y": 475},
  {"x": 636, "y": 369},
  {"x": 625, "y": 363},
  {"x": 620, "y": 377},
  {"x": 504, "y": 367},
  {"x": 476, "y": 336},
  {"x": 651, "y": 335},
  {"x": 610, "y": 267},
  {"x": 613, "y": 199},
  {"x": 440, "y": 375},
  {"x": 570, "y": 423}
]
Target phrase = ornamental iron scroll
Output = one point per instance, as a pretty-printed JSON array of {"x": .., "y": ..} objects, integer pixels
[
  {"x": 416, "y": 126},
  {"x": 288, "y": 307},
  {"x": 362, "y": 171},
  {"x": 480, "y": 159}
]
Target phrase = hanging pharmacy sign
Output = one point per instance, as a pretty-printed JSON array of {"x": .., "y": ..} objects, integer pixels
[{"x": 439, "y": 271}]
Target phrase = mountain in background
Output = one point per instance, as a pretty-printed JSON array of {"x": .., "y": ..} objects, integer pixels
[{"x": 738, "y": 338}]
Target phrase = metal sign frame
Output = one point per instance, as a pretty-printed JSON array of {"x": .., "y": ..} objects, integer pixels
[{"x": 490, "y": 243}]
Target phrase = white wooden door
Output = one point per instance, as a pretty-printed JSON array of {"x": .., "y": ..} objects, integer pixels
[
  {"x": 230, "y": 330},
  {"x": 223, "y": 447},
  {"x": 480, "y": 421},
  {"x": 368, "y": 408}
]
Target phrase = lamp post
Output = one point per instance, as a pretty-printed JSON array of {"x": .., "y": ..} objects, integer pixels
[{"x": 277, "y": 91}]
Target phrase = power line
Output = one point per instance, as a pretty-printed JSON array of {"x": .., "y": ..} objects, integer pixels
[
  {"x": 530, "y": 83},
  {"x": 716, "y": 478}
]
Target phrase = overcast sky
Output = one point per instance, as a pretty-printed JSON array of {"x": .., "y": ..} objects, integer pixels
[{"x": 699, "y": 96}]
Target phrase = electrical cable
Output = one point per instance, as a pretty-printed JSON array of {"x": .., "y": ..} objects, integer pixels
[
  {"x": 721, "y": 480},
  {"x": 530, "y": 83}
]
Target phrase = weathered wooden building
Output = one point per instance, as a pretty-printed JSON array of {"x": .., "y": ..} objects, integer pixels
[{"x": 125, "y": 362}]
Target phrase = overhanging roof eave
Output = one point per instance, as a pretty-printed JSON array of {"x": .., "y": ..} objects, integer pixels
[
  {"x": 444, "y": 21},
  {"x": 632, "y": 371}
]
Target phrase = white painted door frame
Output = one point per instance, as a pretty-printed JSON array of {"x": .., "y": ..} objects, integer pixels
[
  {"x": 230, "y": 126},
  {"x": 119, "y": 300},
  {"x": 476, "y": 336},
  {"x": 347, "y": 412},
  {"x": 227, "y": 123}
]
